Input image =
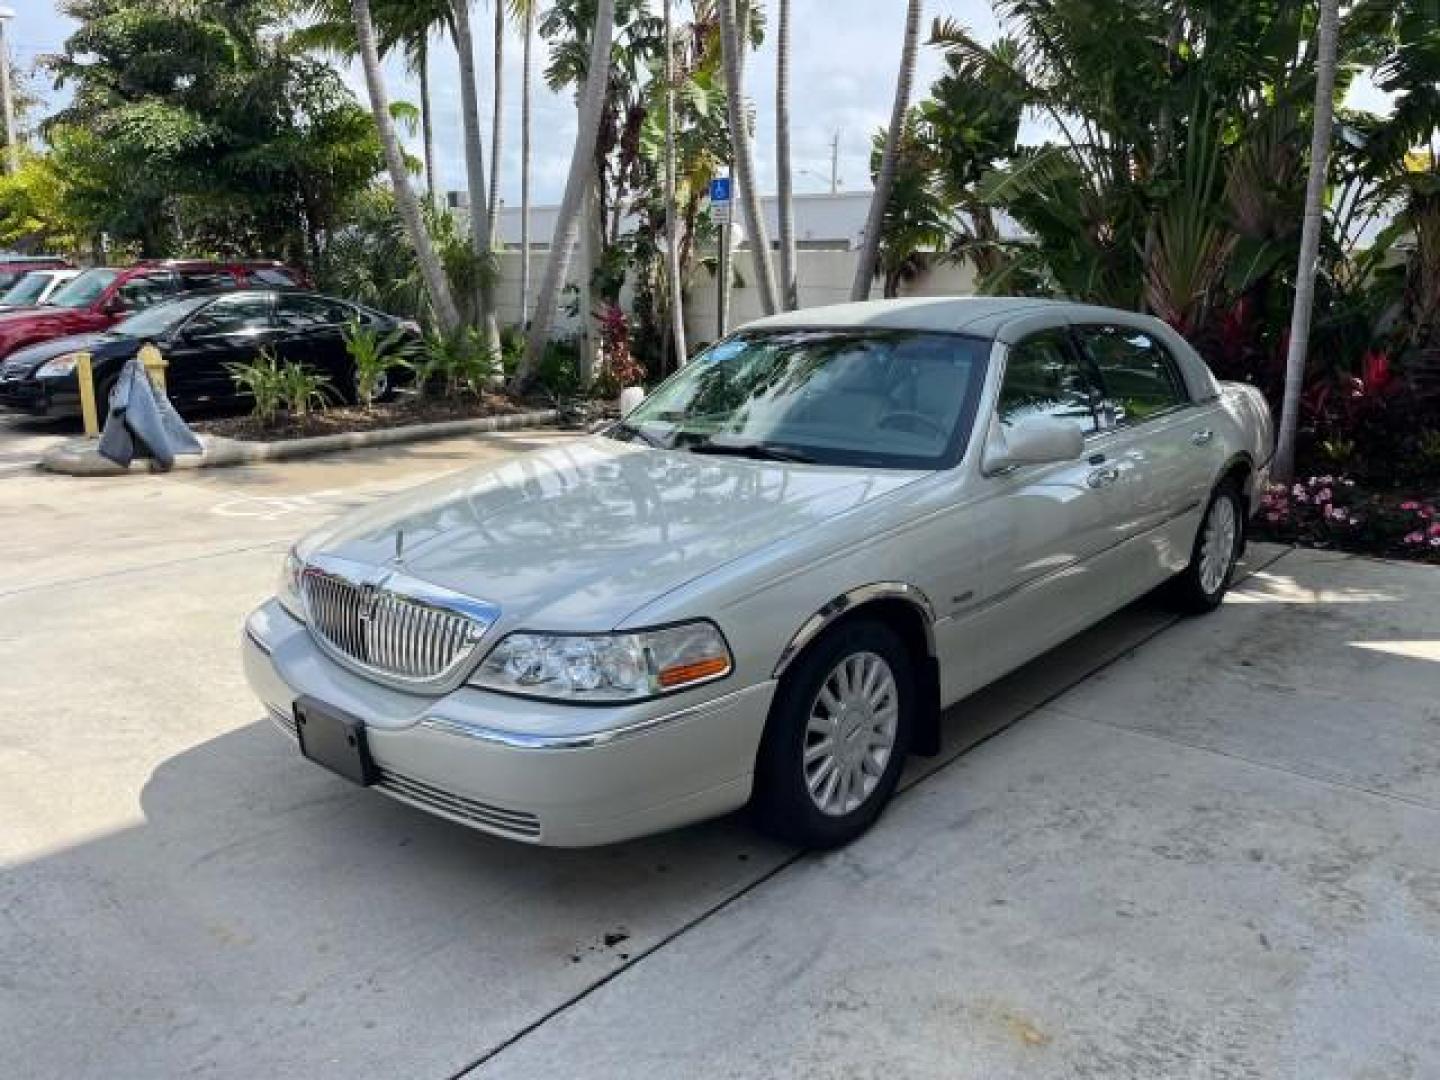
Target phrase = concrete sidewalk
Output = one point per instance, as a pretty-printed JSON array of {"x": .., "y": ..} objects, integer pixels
[{"x": 1206, "y": 848}]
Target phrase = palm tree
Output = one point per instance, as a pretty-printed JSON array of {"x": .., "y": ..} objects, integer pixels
[
  {"x": 672, "y": 239},
  {"x": 497, "y": 129},
  {"x": 733, "y": 44},
  {"x": 527, "y": 77},
  {"x": 475, "y": 167},
  {"x": 442, "y": 302},
  {"x": 419, "y": 62},
  {"x": 1325, "y": 71},
  {"x": 579, "y": 181},
  {"x": 885, "y": 181},
  {"x": 789, "y": 280}
]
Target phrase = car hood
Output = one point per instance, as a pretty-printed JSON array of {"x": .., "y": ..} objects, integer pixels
[
  {"x": 32, "y": 356},
  {"x": 579, "y": 535}
]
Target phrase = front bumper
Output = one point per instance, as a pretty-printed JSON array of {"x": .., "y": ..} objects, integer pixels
[
  {"x": 40, "y": 397},
  {"x": 539, "y": 772}
]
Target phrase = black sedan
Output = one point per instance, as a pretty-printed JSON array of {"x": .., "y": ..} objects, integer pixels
[{"x": 200, "y": 335}]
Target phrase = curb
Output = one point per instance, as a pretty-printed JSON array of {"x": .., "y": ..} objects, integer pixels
[{"x": 79, "y": 457}]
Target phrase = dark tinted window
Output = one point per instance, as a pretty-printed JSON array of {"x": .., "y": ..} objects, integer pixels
[
  {"x": 231, "y": 314},
  {"x": 196, "y": 280},
  {"x": 1044, "y": 376},
  {"x": 1140, "y": 376},
  {"x": 142, "y": 290},
  {"x": 273, "y": 275},
  {"x": 299, "y": 312}
]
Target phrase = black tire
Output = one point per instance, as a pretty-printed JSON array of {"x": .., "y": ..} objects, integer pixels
[
  {"x": 1192, "y": 590},
  {"x": 782, "y": 804}
]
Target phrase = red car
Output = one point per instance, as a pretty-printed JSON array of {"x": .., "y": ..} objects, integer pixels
[{"x": 101, "y": 297}]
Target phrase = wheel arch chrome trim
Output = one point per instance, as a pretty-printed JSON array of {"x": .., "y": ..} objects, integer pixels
[{"x": 851, "y": 600}]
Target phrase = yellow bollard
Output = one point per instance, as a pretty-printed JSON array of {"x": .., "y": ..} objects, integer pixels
[
  {"x": 155, "y": 365},
  {"x": 86, "y": 377}
]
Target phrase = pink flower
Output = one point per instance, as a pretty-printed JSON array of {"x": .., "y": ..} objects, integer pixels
[
  {"x": 1324, "y": 495},
  {"x": 1435, "y": 541},
  {"x": 1301, "y": 497},
  {"x": 1434, "y": 529},
  {"x": 1416, "y": 537},
  {"x": 1410, "y": 505}
]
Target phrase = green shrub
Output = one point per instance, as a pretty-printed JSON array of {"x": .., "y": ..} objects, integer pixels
[
  {"x": 374, "y": 356},
  {"x": 456, "y": 363},
  {"x": 261, "y": 380},
  {"x": 273, "y": 385}
]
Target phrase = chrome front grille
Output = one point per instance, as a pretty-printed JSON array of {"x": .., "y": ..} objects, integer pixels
[
  {"x": 461, "y": 807},
  {"x": 390, "y": 625}
]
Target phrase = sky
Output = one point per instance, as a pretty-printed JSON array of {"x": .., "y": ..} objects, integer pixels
[{"x": 844, "y": 58}]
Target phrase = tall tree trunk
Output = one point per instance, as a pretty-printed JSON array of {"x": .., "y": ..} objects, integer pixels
[
  {"x": 525, "y": 93},
  {"x": 1325, "y": 63},
  {"x": 441, "y": 302},
  {"x": 582, "y": 167},
  {"x": 497, "y": 129},
  {"x": 889, "y": 162},
  {"x": 789, "y": 277},
  {"x": 475, "y": 166},
  {"x": 672, "y": 241},
  {"x": 734, "y": 40},
  {"x": 427, "y": 123}
]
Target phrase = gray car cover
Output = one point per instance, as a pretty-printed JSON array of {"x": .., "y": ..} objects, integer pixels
[{"x": 142, "y": 422}]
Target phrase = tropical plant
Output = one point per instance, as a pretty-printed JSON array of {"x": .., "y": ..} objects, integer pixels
[
  {"x": 442, "y": 301},
  {"x": 734, "y": 33},
  {"x": 1325, "y": 70},
  {"x": 675, "y": 293},
  {"x": 567, "y": 222},
  {"x": 374, "y": 356},
  {"x": 261, "y": 381},
  {"x": 919, "y": 226},
  {"x": 789, "y": 260},
  {"x": 527, "y": 77},
  {"x": 480, "y": 235},
  {"x": 458, "y": 363},
  {"x": 889, "y": 163},
  {"x": 302, "y": 389}
]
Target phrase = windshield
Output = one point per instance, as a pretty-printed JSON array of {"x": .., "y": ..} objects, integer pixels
[
  {"x": 160, "y": 319},
  {"x": 27, "y": 290},
  {"x": 83, "y": 290},
  {"x": 901, "y": 399}
]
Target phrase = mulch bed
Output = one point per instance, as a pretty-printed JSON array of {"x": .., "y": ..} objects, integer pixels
[{"x": 405, "y": 410}]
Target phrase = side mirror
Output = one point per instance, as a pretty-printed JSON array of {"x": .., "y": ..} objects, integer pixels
[
  {"x": 1036, "y": 440},
  {"x": 116, "y": 306}
]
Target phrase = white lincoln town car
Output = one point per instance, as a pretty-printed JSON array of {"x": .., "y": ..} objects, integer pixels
[{"x": 763, "y": 585}]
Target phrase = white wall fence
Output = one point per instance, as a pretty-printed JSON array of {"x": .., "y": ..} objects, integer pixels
[{"x": 825, "y": 278}]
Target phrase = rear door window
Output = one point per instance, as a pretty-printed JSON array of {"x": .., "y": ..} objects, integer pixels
[
  {"x": 201, "y": 280},
  {"x": 273, "y": 275},
  {"x": 139, "y": 292},
  {"x": 306, "y": 312},
  {"x": 1046, "y": 376},
  {"x": 233, "y": 314},
  {"x": 1140, "y": 377}
]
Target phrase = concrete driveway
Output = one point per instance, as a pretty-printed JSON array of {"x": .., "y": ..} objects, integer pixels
[{"x": 1203, "y": 848}]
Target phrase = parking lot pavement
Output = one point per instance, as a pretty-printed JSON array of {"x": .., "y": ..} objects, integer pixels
[
  {"x": 24, "y": 439},
  {"x": 1110, "y": 887}
]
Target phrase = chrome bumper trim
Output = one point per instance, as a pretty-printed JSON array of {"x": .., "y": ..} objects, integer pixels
[{"x": 524, "y": 740}]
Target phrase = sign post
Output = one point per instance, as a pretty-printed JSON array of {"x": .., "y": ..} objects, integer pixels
[{"x": 720, "y": 210}]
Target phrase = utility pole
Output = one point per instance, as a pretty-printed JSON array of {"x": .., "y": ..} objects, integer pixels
[
  {"x": 835, "y": 164},
  {"x": 12, "y": 149}
]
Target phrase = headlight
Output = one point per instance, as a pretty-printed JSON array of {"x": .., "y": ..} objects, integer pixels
[
  {"x": 606, "y": 667},
  {"x": 287, "y": 591},
  {"x": 61, "y": 365}
]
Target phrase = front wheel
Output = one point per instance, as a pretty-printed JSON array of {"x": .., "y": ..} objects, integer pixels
[
  {"x": 837, "y": 737},
  {"x": 1202, "y": 585}
]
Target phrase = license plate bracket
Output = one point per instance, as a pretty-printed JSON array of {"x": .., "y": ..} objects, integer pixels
[{"x": 335, "y": 739}]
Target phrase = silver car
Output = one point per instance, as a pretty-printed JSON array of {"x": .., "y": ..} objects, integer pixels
[{"x": 763, "y": 585}]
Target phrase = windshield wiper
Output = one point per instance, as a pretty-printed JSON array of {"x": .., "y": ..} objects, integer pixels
[
  {"x": 641, "y": 434},
  {"x": 757, "y": 450}
]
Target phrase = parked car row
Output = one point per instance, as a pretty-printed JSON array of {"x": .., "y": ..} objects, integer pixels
[{"x": 201, "y": 335}]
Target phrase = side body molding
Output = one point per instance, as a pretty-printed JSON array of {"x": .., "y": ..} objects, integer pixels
[{"x": 848, "y": 601}]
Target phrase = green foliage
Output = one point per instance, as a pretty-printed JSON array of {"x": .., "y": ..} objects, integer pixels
[
  {"x": 33, "y": 208},
  {"x": 199, "y": 127},
  {"x": 272, "y": 386},
  {"x": 450, "y": 365},
  {"x": 374, "y": 355},
  {"x": 260, "y": 379}
]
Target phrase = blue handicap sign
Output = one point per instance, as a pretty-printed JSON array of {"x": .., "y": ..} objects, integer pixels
[{"x": 720, "y": 189}]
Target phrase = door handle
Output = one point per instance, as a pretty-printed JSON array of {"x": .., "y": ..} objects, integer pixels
[
  {"x": 1202, "y": 437},
  {"x": 1103, "y": 477}
]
